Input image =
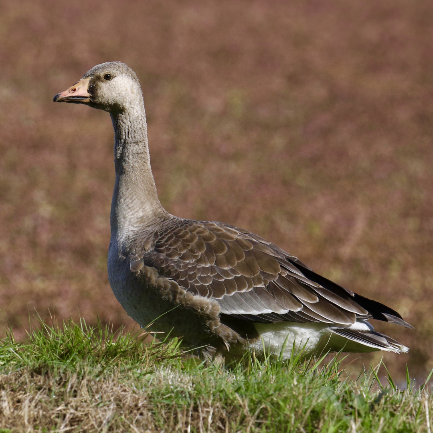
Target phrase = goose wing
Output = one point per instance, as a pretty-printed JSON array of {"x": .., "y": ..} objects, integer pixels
[{"x": 253, "y": 279}]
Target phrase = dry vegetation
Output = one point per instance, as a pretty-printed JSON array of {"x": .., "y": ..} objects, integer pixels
[
  {"x": 84, "y": 379},
  {"x": 307, "y": 123}
]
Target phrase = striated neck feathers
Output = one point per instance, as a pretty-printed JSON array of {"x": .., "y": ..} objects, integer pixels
[{"x": 135, "y": 203}]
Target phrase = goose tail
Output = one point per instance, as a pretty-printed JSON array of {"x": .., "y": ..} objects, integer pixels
[{"x": 353, "y": 340}]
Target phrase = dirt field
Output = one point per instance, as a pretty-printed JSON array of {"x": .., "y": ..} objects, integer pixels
[{"x": 310, "y": 124}]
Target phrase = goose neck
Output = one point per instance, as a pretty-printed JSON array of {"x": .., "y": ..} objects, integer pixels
[{"x": 135, "y": 205}]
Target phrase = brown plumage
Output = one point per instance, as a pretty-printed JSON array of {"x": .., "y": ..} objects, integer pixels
[{"x": 215, "y": 285}]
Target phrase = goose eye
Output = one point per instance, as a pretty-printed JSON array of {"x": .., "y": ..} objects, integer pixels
[{"x": 107, "y": 77}]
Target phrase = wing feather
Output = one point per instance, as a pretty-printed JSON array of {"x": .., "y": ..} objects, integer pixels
[{"x": 250, "y": 277}]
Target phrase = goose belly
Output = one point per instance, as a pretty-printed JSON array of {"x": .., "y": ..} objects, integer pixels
[{"x": 283, "y": 337}]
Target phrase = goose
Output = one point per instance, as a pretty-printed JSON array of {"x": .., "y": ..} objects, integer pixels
[{"x": 219, "y": 288}]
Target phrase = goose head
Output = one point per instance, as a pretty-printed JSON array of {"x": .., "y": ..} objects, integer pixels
[{"x": 111, "y": 86}]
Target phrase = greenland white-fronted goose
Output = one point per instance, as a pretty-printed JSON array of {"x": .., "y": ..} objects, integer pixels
[{"x": 217, "y": 286}]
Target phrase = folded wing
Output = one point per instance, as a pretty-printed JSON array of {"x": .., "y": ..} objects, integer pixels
[{"x": 253, "y": 279}]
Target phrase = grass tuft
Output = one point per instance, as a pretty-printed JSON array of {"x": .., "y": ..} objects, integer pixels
[{"x": 74, "y": 345}]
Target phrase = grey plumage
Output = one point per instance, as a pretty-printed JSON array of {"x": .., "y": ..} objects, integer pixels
[{"x": 227, "y": 286}]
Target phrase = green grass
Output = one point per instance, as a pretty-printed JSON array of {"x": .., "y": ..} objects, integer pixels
[{"x": 77, "y": 378}]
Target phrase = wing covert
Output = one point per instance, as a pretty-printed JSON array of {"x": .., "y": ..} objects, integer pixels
[{"x": 249, "y": 277}]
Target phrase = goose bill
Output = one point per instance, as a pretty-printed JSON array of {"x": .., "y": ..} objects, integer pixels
[{"x": 78, "y": 93}]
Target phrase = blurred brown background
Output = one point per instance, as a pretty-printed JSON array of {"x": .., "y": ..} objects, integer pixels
[{"x": 308, "y": 123}]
